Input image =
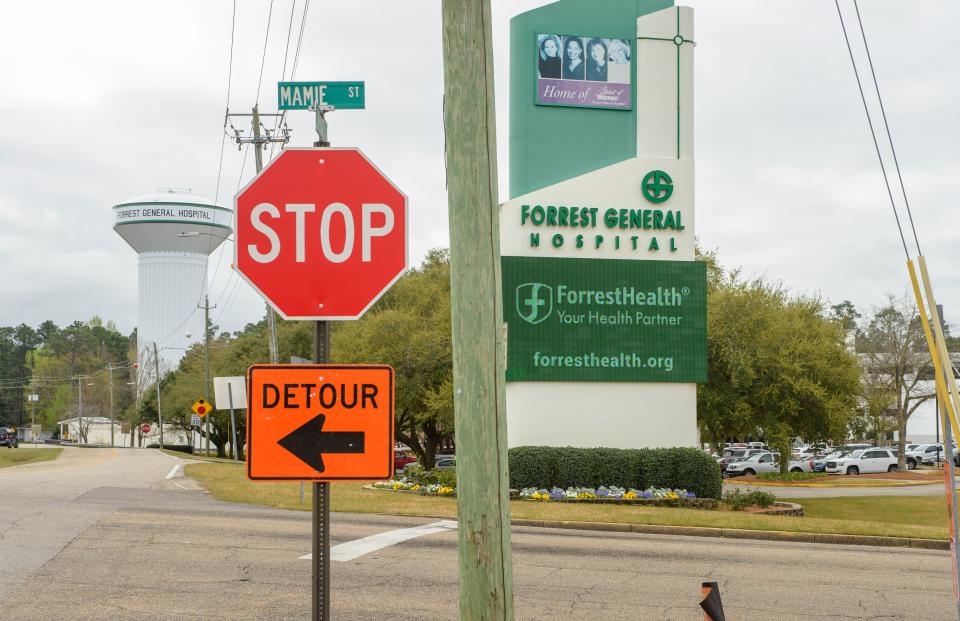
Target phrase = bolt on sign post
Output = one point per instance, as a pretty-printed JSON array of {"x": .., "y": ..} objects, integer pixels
[{"x": 485, "y": 572}]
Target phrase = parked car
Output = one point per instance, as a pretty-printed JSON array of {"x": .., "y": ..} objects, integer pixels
[
  {"x": 927, "y": 454},
  {"x": 401, "y": 458},
  {"x": 440, "y": 462},
  {"x": 819, "y": 464},
  {"x": 864, "y": 461},
  {"x": 741, "y": 453},
  {"x": 8, "y": 437}
]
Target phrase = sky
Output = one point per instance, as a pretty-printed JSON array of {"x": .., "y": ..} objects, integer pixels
[{"x": 105, "y": 101}]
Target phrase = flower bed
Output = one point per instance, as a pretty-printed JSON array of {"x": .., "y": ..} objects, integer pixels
[
  {"x": 407, "y": 485},
  {"x": 653, "y": 496}
]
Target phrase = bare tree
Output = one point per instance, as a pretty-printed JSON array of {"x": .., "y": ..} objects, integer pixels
[{"x": 894, "y": 354}]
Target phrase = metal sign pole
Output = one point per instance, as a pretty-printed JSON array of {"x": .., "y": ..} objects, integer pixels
[
  {"x": 233, "y": 424},
  {"x": 321, "y": 491},
  {"x": 321, "y": 503}
]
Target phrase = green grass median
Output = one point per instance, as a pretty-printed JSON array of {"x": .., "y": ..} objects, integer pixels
[
  {"x": 21, "y": 456},
  {"x": 887, "y": 516}
]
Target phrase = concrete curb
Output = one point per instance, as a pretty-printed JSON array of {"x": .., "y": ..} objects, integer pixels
[
  {"x": 739, "y": 533},
  {"x": 734, "y": 481}
]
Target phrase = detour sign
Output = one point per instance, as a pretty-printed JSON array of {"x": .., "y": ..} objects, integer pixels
[{"x": 319, "y": 422}]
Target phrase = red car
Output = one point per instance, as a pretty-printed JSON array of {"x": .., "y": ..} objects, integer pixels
[{"x": 401, "y": 459}]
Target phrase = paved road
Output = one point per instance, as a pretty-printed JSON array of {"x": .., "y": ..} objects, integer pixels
[
  {"x": 834, "y": 492},
  {"x": 107, "y": 537}
]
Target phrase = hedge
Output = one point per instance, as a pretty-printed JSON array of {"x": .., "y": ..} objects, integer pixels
[{"x": 547, "y": 467}]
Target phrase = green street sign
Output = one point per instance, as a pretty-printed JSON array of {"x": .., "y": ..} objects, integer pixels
[
  {"x": 307, "y": 95},
  {"x": 605, "y": 320}
]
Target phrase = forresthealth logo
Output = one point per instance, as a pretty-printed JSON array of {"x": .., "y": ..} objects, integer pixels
[{"x": 534, "y": 301}]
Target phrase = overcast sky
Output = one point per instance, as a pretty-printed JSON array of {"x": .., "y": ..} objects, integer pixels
[{"x": 105, "y": 101}]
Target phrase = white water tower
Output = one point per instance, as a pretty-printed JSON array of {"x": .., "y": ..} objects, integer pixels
[{"x": 174, "y": 233}]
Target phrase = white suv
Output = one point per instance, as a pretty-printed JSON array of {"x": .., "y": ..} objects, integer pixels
[{"x": 863, "y": 461}]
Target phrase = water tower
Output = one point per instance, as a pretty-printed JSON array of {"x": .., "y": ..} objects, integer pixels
[{"x": 174, "y": 233}]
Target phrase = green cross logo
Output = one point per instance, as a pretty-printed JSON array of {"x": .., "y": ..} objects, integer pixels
[
  {"x": 657, "y": 186},
  {"x": 534, "y": 302}
]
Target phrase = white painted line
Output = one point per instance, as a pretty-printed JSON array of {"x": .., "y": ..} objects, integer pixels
[
  {"x": 173, "y": 472},
  {"x": 350, "y": 550},
  {"x": 181, "y": 486},
  {"x": 167, "y": 456}
]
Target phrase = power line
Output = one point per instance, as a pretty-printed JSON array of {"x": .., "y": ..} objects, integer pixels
[
  {"x": 263, "y": 60},
  {"x": 886, "y": 125},
  {"x": 873, "y": 134}
]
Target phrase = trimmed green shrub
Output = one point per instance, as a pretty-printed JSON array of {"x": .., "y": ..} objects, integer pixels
[
  {"x": 446, "y": 478},
  {"x": 740, "y": 500},
  {"x": 547, "y": 467}
]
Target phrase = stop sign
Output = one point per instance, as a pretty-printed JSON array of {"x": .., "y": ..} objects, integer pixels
[
  {"x": 145, "y": 428},
  {"x": 321, "y": 233}
]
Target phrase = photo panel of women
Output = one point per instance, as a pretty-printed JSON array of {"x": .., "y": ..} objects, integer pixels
[{"x": 582, "y": 71}]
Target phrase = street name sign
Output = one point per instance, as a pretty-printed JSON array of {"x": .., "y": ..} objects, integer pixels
[
  {"x": 201, "y": 407},
  {"x": 308, "y": 95},
  {"x": 321, "y": 233},
  {"x": 319, "y": 422}
]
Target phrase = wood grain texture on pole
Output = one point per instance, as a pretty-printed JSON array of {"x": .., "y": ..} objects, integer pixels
[{"x": 486, "y": 589}]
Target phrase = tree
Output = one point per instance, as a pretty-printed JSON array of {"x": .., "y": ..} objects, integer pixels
[
  {"x": 409, "y": 329},
  {"x": 894, "y": 352},
  {"x": 777, "y": 366}
]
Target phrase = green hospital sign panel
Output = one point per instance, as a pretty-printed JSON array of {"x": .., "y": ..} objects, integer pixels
[
  {"x": 307, "y": 95},
  {"x": 605, "y": 320}
]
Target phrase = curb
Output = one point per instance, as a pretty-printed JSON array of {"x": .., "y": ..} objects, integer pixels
[
  {"x": 733, "y": 481},
  {"x": 739, "y": 533}
]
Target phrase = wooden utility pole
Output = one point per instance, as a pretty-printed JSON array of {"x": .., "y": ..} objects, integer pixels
[
  {"x": 486, "y": 576},
  {"x": 271, "y": 317}
]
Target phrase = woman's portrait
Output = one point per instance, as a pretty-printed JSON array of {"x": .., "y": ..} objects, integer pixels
[
  {"x": 618, "y": 67},
  {"x": 573, "y": 65},
  {"x": 597, "y": 60},
  {"x": 549, "y": 62}
]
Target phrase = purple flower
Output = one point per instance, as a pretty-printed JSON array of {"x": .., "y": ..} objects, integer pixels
[
  {"x": 647, "y": 494},
  {"x": 557, "y": 494},
  {"x": 691, "y": 495}
]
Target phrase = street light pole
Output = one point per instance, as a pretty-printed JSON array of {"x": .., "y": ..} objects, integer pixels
[
  {"x": 156, "y": 361},
  {"x": 110, "y": 368}
]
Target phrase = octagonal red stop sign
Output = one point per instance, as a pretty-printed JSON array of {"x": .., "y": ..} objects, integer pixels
[{"x": 321, "y": 233}]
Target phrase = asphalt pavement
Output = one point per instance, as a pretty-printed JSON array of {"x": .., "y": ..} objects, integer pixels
[
  {"x": 102, "y": 534},
  {"x": 930, "y": 489}
]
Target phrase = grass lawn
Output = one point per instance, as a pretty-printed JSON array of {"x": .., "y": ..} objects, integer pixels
[
  {"x": 891, "y": 516},
  {"x": 20, "y": 456}
]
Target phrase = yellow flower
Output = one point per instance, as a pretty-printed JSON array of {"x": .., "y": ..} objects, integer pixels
[
  {"x": 416, "y": 487},
  {"x": 672, "y": 495},
  {"x": 445, "y": 490},
  {"x": 397, "y": 486},
  {"x": 630, "y": 496}
]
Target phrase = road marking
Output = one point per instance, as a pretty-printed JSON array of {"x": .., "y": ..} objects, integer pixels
[
  {"x": 173, "y": 472},
  {"x": 350, "y": 550},
  {"x": 167, "y": 456}
]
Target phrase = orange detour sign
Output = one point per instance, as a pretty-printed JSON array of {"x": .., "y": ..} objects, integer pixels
[{"x": 319, "y": 422}]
